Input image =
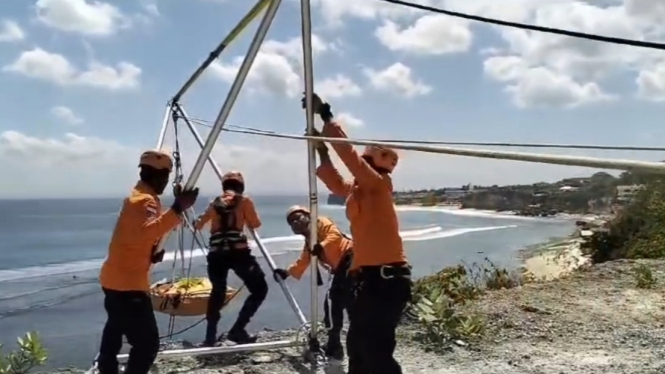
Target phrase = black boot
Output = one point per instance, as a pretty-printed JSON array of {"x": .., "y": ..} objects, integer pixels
[
  {"x": 211, "y": 335},
  {"x": 239, "y": 335},
  {"x": 334, "y": 348}
]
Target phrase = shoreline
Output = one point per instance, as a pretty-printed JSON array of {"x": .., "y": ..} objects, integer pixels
[
  {"x": 509, "y": 213},
  {"x": 554, "y": 259}
]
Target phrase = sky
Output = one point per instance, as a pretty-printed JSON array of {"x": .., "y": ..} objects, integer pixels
[{"x": 85, "y": 86}]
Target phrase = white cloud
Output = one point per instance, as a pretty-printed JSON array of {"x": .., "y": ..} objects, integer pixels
[
  {"x": 52, "y": 152},
  {"x": 350, "y": 120},
  {"x": 334, "y": 11},
  {"x": 103, "y": 167},
  {"x": 10, "y": 31},
  {"x": 541, "y": 86},
  {"x": 293, "y": 47},
  {"x": 429, "y": 35},
  {"x": 275, "y": 69},
  {"x": 66, "y": 115},
  {"x": 535, "y": 70},
  {"x": 151, "y": 9},
  {"x": 651, "y": 83},
  {"x": 545, "y": 70},
  {"x": 55, "y": 68},
  {"x": 93, "y": 18},
  {"x": 337, "y": 87},
  {"x": 397, "y": 78},
  {"x": 271, "y": 73}
]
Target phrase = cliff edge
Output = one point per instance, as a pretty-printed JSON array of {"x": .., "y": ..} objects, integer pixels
[{"x": 596, "y": 320}]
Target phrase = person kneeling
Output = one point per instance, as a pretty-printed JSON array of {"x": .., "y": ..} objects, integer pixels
[
  {"x": 335, "y": 251},
  {"x": 229, "y": 250}
]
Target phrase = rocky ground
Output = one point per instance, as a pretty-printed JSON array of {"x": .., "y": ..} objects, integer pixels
[{"x": 591, "y": 322}]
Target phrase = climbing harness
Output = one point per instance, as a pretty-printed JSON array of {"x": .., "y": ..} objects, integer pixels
[{"x": 229, "y": 236}]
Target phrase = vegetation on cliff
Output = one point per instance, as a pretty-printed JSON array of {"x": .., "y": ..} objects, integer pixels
[
  {"x": 638, "y": 230},
  {"x": 438, "y": 301},
  {"x": 30, "y": 354},
  {"x": 572, "y": 195}
]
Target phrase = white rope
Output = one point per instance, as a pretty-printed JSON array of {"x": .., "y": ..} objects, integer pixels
[
  {"x": 234, "y": 128},
  {"x": 528, "y": 145},
  {"x": 615, "y": 164}
]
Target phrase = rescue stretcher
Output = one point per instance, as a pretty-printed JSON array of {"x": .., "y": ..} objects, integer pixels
[{"x": 186, "y": 297}]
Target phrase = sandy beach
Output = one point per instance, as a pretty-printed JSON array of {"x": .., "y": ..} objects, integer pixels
[{"x": 556, "y": 259}]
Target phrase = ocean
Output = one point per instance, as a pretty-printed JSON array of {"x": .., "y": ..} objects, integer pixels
[{"x": 52, "y": 250}]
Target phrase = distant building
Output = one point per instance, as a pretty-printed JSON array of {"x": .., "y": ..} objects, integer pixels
[
  {"x": 575, "y": 182},
  {"x": 568, "y": 189},
  {"x": 627, "y": 193},
  {"x": 455, "y": 193}
]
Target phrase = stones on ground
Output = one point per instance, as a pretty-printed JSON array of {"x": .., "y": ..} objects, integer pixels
[
  {"x": 587, "y": 323},
  {"x": 264, "y": 357}
]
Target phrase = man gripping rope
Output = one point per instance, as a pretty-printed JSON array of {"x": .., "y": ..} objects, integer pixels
[
  {"x": 126, "y": 271},
  {"x": 379, "y": 269},
  {"x": 229, "y": 250},
  {"x": 334, "y": 251}
]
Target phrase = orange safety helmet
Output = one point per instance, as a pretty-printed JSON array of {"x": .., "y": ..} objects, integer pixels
[
  {"x": 233, "y": 175},
  {"x": 296, "y": 209},
  {"x": 156, "y": 159},
  {"x": 382, "y": 157}
]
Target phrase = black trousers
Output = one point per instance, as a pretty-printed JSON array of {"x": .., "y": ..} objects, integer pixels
[
  {"x": 339, "y": 296},
  {"x": 374, "y": 314},
  {"x": 246, "y": 268},
  {"x": 130, "y": 314}
]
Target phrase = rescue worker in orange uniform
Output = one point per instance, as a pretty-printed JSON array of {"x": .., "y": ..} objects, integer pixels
[
  {"x": 380, "y": 270},
  {"x": 334, "y": 250},
  {"x": 126, "y": 271},
  {"x": 229, "y": 214}
]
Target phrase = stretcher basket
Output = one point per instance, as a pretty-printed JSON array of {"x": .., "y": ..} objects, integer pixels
[{"x": 186, "y": 297}]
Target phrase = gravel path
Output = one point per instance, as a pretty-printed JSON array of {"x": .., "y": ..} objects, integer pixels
[{"x": 594, "y": 321}]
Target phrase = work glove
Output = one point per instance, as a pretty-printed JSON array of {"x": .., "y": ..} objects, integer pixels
[
  {"x": 317, "y": 250},
  {"x": 280, "y": 274},
  {"x": 320, "y": 108},
  {"x": 321, "y": 147},
  {"x": 157, "y": 257},
  {"x": 184, "y": 199}
]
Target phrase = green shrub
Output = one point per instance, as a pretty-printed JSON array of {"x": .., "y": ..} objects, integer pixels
[
  {"x": 437, "y": 299},
  {"x": 440, "y": 321},
  {"x": 30, "y": 354},
  {"x": 636, "y": 232},
  {"x": 644, "y": 277}
]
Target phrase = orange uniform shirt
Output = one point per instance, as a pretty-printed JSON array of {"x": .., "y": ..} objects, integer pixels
[
  {"x": 246, "y": 215},
  {"x": 369, "y": 205},
  {"x": 140, "y": 226},
  {"x": 334, "y": 244}
]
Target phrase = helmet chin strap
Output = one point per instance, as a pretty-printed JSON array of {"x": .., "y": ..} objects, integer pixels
[{"x": 379, "y": 170}]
